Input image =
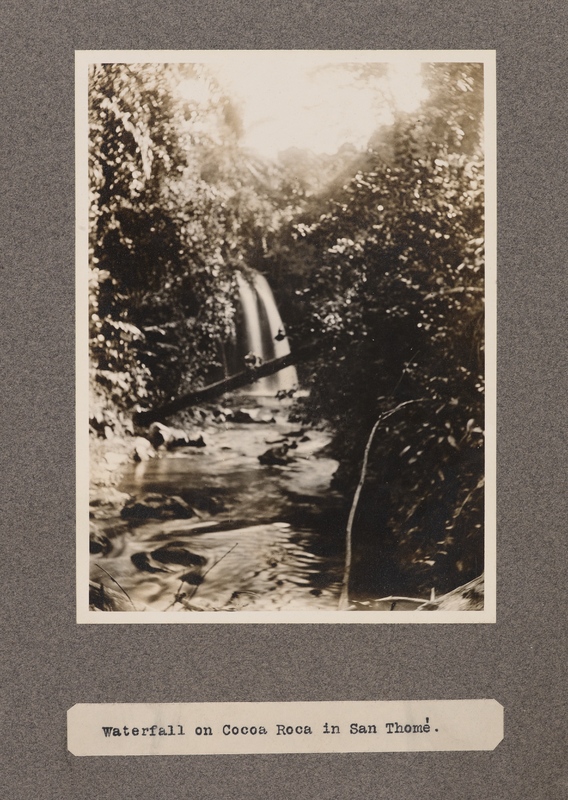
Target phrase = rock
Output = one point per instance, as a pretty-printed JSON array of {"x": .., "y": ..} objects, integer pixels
[
  {"x": 143, "y": 449},
  {"x": 242, "y": 415},
  {"x": 260, "y": 416},
  {"x": 193, "y": 578},
  {"x": 99, "y": 544},
  {"x": 175, "y": 553},
  {"x": 173, "y": 437},
  {"x": 275, "y": 455},
  {"x": 199, "y": 441},
  {"x": 223, "y": 415},
  {"x": 157, "y": 506},
  {"x": 158, "y": 434},
  {"x": 142, "y": 562}
]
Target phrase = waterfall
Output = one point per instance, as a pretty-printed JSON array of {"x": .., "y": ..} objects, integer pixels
[{"x": 257, "y": 330}]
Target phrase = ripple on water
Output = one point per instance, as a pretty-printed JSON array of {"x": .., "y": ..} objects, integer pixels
[{"x": 262, "y": 551}]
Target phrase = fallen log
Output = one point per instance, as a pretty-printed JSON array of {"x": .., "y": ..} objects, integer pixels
[{"x": 244, "y": 378}]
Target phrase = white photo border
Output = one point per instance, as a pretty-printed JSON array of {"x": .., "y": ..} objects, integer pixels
[{"x": 84, "y": 58}]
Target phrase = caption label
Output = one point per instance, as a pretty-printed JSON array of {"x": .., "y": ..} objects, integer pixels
[{"x": 134, "y": 729}]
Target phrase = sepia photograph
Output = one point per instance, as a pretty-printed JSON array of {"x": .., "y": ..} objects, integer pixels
[{"x": 285, "y": 336}]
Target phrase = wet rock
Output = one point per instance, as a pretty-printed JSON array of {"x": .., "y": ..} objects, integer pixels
[
  {"x": 196, "y": 441},
  {"x": 221, "y": 414},
  {"x": 173, "y": 553},
  {"x": 163, "y": 435},
  {"x": 258, "y": 416},
  {"x": 143, "y": 449},
  {"x": 142, "y": 562},
  {"x": 99, "y": 544},
  {"x": 157, "y": 506},
  {"x": 275, "y": 455},
  {"x": 159, "y": 434},
  {"x": 193, "y": 578},
  {"x": 242, "y": 415}
]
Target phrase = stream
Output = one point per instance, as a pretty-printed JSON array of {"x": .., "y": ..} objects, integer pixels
[{"x": 263, "y": 537}]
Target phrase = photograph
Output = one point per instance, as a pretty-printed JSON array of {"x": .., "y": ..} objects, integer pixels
[{"x": 286, "y": 324}]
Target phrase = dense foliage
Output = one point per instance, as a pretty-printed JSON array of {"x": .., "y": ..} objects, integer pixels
[
  {"x": 396, "y": 296},
  {"x": 175, "y": 209}
]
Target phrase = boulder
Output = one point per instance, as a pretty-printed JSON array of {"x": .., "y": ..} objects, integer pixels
[
  {"x": 275, "y": 455},
  {"x": 157, "y": 506},
  {"x": 176, "y": 553}
]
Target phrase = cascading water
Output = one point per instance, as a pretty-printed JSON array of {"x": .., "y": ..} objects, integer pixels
[{"x": 260, "y": 333}]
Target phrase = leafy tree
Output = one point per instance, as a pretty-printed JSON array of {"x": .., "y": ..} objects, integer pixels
[{"x": 397, "y": 297}]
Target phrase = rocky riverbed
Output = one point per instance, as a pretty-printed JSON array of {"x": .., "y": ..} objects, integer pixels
[{"x": 229, "y": 509}]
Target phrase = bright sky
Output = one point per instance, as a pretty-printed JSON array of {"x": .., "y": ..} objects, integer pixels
[{"x": 284, "y": 104}]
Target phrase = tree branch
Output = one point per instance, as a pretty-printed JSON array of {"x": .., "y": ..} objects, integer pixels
[{"x": 344, "y": 597}]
